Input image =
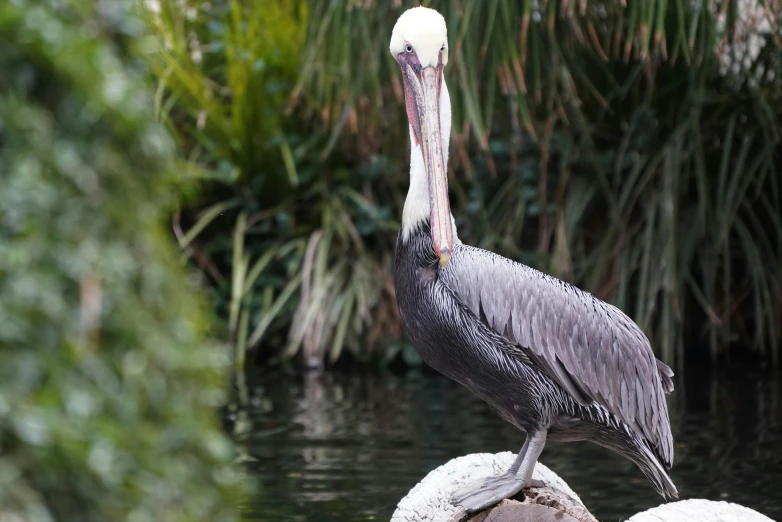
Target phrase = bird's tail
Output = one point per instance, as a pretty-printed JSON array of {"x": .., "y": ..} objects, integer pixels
[{"x": 650, "y": 464}]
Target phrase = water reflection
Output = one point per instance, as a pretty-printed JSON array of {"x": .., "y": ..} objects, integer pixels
[{"x": 338, "y": 447}]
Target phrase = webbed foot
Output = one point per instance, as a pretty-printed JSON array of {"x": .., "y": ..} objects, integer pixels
[{"x": 488, "y": 491}]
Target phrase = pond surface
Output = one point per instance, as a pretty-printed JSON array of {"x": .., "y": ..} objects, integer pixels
[{"x": 338, "y": 447}]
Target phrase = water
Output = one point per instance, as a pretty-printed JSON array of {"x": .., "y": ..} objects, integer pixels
[{"x": 348, "y": 448}]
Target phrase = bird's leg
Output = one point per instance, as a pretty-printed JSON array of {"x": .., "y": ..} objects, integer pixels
[{"x": 486, "y": 492}]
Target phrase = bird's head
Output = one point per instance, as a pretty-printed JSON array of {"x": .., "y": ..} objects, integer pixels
[
  {"x": 420, "y": 37},
  {"x": 419, "y": 43}
]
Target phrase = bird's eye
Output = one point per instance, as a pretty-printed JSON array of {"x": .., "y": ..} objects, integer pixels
[
  {"x": 442, "y": 48},
  {"x": 409, "y": 48}
]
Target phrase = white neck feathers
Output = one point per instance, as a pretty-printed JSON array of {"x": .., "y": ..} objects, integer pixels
[
  {"x": 417, "y": 206},
  {"x": 417, "y": 201}
]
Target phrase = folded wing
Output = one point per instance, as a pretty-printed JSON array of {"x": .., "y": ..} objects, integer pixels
[{"x": 590, "y": 348}]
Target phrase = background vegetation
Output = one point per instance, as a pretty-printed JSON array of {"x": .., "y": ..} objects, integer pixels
[
  {"x": 632, "y": 148},
  {"x": 108, "y": 388}
]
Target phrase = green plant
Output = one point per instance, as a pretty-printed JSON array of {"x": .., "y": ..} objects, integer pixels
[
  {"x": 301, "y": 275},
  {"x": 224, "y": 70},
  {"x": 629, "y": 147},
  {"x": 108, "y": 387},
  {"x": 637, "y": 142}
]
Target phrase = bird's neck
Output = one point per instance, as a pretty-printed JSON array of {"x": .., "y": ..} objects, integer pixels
[
  {"x": 417, "y": 206},
  {"x": 417, "y": 210}
]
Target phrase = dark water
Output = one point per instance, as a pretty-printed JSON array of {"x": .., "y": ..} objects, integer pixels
[{"x": 345, "y": 448}]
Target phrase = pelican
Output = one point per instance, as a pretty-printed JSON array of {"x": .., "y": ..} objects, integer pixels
[{"x": 552, "y": 360}]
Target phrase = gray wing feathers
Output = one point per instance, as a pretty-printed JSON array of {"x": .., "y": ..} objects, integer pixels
[
  {"x": 666, "y": 374},
  {"x": 590, "y": 348}
]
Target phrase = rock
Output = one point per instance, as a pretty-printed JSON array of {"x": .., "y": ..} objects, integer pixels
[
  {"x": 429, "y": 500},
  {"x": 699, "y": 510},
  {"x": 514, "y": 511}
]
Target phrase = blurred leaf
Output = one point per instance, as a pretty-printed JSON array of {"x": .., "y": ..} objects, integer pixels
[{"x": 108, "y": 386}]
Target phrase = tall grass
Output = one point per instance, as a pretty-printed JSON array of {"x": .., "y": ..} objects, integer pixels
[
  {"x": 284, "y": 239},
  {"x": 641, "y": 143},
  {"x": 631, "y": 147}
]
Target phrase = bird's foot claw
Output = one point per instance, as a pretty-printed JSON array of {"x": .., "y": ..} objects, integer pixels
[{"x": 487, "y": 492}]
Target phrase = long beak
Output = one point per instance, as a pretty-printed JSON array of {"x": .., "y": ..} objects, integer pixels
[{"x": 424, "y": 116}]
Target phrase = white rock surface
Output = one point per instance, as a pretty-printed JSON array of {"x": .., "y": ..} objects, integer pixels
[
  {"x": 429, "y": 501},
  {"x": 699, "y": 510}
]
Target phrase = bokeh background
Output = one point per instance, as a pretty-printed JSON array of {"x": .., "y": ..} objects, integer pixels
[{"x": 198, "y": 209}]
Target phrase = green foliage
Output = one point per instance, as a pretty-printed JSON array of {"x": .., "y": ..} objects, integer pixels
[
  {"x": 638, "y": 140},
  {"x": 108, "y": 389},
  {"x": 225, "y": 70},
  {"x": 289, "y": 233},
  {"x": 629, "y": 147},
  {"x": 512, "y": 64}
]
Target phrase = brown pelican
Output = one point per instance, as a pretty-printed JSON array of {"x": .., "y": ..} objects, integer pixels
[{"x": 552, "y": 360}]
